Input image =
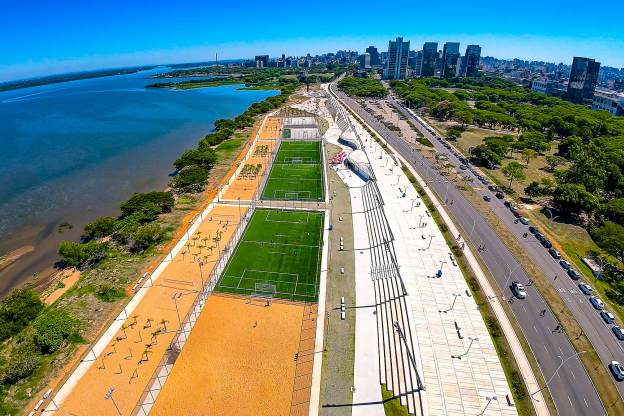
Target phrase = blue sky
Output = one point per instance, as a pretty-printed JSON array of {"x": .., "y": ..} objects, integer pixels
[{"x": 49, "y": 37}]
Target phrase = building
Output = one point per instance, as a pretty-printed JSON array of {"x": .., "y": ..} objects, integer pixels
[
  {"x": 365, "y": 61},
  {"x": 470, "y": 61},
  {"x": 608, "y": 100},
  {"x": 450, "y": 54},
  {"x": 264, "y": 59},
  {"x": 374, "y": 56},
  {"x": 583, "y": 80},
  {"x": 398, "y": 52},
  {"x": 545, "y": 86},
  {"x": 360, "y": 74},
  {"x": 429, "y": 59}
]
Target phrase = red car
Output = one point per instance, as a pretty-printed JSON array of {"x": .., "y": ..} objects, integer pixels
[{"x": 517, "y": 214}]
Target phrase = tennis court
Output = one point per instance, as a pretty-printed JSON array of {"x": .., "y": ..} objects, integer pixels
[
  {"x": 280, "y": 248},
  {"x": 297, "y": 173}
]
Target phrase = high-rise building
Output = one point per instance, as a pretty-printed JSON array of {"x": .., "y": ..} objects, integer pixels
[
  {"x": 429, "y": 59},
  {"x": 398, "y": 51},
  {"x": 374, "y": 56},
  {"x": 365, "y": 61},
  {"x": 264, "y": 59},
  {"x": 470, "y": 61},
  {"x": 450, "y": 53},
  {"x": 583, "y": 80}
]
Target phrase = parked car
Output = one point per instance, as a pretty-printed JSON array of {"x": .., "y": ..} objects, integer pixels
[
  {"x": 492, "y": 188},
  {"x": 546, "y": 243},
  {"x": 487, "y": 198},
  {"x": 524, "y": 221},
  {"x": 513, "y": 209},
  {"x": 574, "y": 274},
  {"x": 617, "y": 370},
  {"x": 533, "y": 230},
  {"x": 607, "y": 317},
  {"x": 507, "y": 204},
  {"x": 597, "y": 302},
  {"x": 585, "y": 288},
  {"x": 517, "y": 214},
  {"x": 518, "y": 290},
  {"x": 554, "y": 253},
  {"x": 463, "y": 167},
  {"x": 479, "y": 177},
  {"x": 484, "y": 181},
  {"x": 565, "y": 264},
  {"x": 540, "y": 236},
  {"x": 619, "y": 332},
  {"x": 499, "y": 195}
]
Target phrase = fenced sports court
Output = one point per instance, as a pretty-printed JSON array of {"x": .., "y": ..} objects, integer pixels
[
  {"x": 278, "y": 256},
  {"x": 297, "y": 173}
]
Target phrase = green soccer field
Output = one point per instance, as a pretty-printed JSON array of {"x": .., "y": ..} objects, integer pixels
[
  {"x": 297, "y": 173},
  {"x": 282, "y": 248}
]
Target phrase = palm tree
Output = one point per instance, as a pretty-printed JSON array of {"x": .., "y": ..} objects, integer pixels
[
  {"x": 146, "y": 352},
  {"x": 194, "y": 240},
  {"x": 154, "y": 337},
  {"x": 211, "y": 248},
  {"x": 199, "y": 233},
  {"x": 135, "y": 319},
  {"x": 149, "y": 323},
  {"x": 123, "y": 328},
  {"x": 206, "y": 258},
  {"x": 205, "y": 239},
  {"x": 200, "y": 248},
  {"x": 164, "y": 324},
  {"x": 188, "y": 246},
  {"x": 183, "y": 253},
  {"x": 113, "y": 345}
]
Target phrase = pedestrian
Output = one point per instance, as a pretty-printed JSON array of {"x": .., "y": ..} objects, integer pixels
[
  {"x": 262, "y": 244},
  {"x": 555, "y": 278}
]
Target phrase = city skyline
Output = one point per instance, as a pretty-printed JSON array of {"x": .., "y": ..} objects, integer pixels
[{"x": 72, "y": 36}]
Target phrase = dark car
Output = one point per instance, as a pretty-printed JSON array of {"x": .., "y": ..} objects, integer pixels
[
  {"x": 492, "y": 188},
  {"x": 546, "y": 243},
  {"x": 507, "y": 204},
  {"x": 554, "y": 253},
  {"x": 540, "y": 236},
  {"x": 487, "y": 198},
  {"x": 574, "y": 274},
  {"x": 517, "y": 214},
  {"x": 499, "y": 195},
  {"x": 533, "y": 230}
]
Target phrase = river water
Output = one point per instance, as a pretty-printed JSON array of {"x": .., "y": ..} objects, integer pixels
[{"x": 75, "y": 151}]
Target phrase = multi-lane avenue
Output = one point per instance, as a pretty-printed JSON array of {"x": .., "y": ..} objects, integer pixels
[{"x": 571, "y": 388}]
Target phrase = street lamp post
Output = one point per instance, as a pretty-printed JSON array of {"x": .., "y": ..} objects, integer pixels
[
  {"x": 453, "y": 304},
  {"x": 109, "y": 395},
  {"x": 466, "y": 353},
  {"x": 510, "y": 272},
  {"x": 560, "y": 365},
  {"x": 430, "y": 239},
  {"x": 551, "y": 215},
  {"x": 239, "y": 211},
  {"x": 488, "y": 403},
  {"x": 176, "y": 306}
]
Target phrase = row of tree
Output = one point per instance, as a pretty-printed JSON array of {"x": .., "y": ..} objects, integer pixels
[{"x": 362, "y": 87}]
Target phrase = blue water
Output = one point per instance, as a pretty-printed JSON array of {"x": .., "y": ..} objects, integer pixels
[{"x": 75, "y": 151}]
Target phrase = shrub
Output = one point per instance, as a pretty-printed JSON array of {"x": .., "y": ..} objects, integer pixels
[
  {"x": 101, "y": 227},
  {"x": 21, "y": 365},
  {"x": 75, "y": 254},
  {"x": 18, "y": 310},
  {"x": 52, "y": 329},
  {"x": 147, "y": 201},
  {"x": 109, "y": 293}
]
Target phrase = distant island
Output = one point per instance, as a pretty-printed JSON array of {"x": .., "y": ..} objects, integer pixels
[{"x": 55, "y": 79}]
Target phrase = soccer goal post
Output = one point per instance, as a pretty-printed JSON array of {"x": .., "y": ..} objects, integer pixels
[{"x": 263, "y": 291}]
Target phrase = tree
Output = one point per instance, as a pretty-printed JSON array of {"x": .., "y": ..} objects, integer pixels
[
  {"x": 139, "y": 202},
  {"x": 191, "y": 178},
  {"x": 486, "y": 156},
  {"x": 18, "y": 309},
  {"x": 527, "y": 155},
  {"x": 517, "y": 147},
  {"x": 464, "y": 117},
  {"x": 574, "y": 199},
  {"x": 613, "y": 211},
  {"x": 163, "y": 322},
  {"x": 204, "y": 158},
  {"x": 101, "y": 227},
  {"x": 52, "y": 329},
  {"x": 611, "y": 238},
  {"x": 514, "y": 170},
  {"x": 533, "y": 190},
  {"x": 453, "y": 134},
  {"x": 554, "y": 161},
  {"x": 75, "y": 254},
  {"x": 149, "y": 234}
]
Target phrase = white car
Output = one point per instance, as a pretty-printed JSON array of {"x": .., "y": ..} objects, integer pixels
[
  {"x": 585, "y": 288},
  {"x": 524, "y": 221},
  {"x": 513, "y": 209},
  {"x": 518, "y": 289},
  {"x": 607, "y": 317},
  {"x": 597, "y": 302},
  {"x": 619, "y": 332},
  {"x": 617, "y": 370}
]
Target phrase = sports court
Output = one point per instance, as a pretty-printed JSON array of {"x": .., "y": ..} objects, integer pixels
[
  {"x": 297, "y": 173},
  {"x": 272, "y": 128},
  {"x": 237, "y": 361},
  {"x": 277, "y": 256}
]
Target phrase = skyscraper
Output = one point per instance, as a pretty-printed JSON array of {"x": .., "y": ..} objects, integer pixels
[
  {"x": 398, "y": 51},
  {"x": 470, "y": 61},
  {"x": 374, "y": 56},
  {"x": 264, "y": 59},
  {"x": 583, "y": 80},
  {"x": 365, "y": 61},
  {"x": 429, "y": 59},
  {"x": 450, "y": 53}
]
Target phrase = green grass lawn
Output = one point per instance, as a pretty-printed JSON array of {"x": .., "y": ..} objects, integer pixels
[
  {"x": 291, "y": 181},
  {"x": 278, "y": 248}
]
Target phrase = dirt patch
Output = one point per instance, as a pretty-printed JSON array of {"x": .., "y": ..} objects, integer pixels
[{"x": 68, "y": 278}]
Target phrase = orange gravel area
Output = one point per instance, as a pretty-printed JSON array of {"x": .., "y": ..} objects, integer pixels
[
  {"x": 238, "y": 360},
  {"x": 127, "y": 369},
  {"x": 69, "y": 278},
  {"x": 246, "y": 189},
  {"x": 272, "y": 128}
]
